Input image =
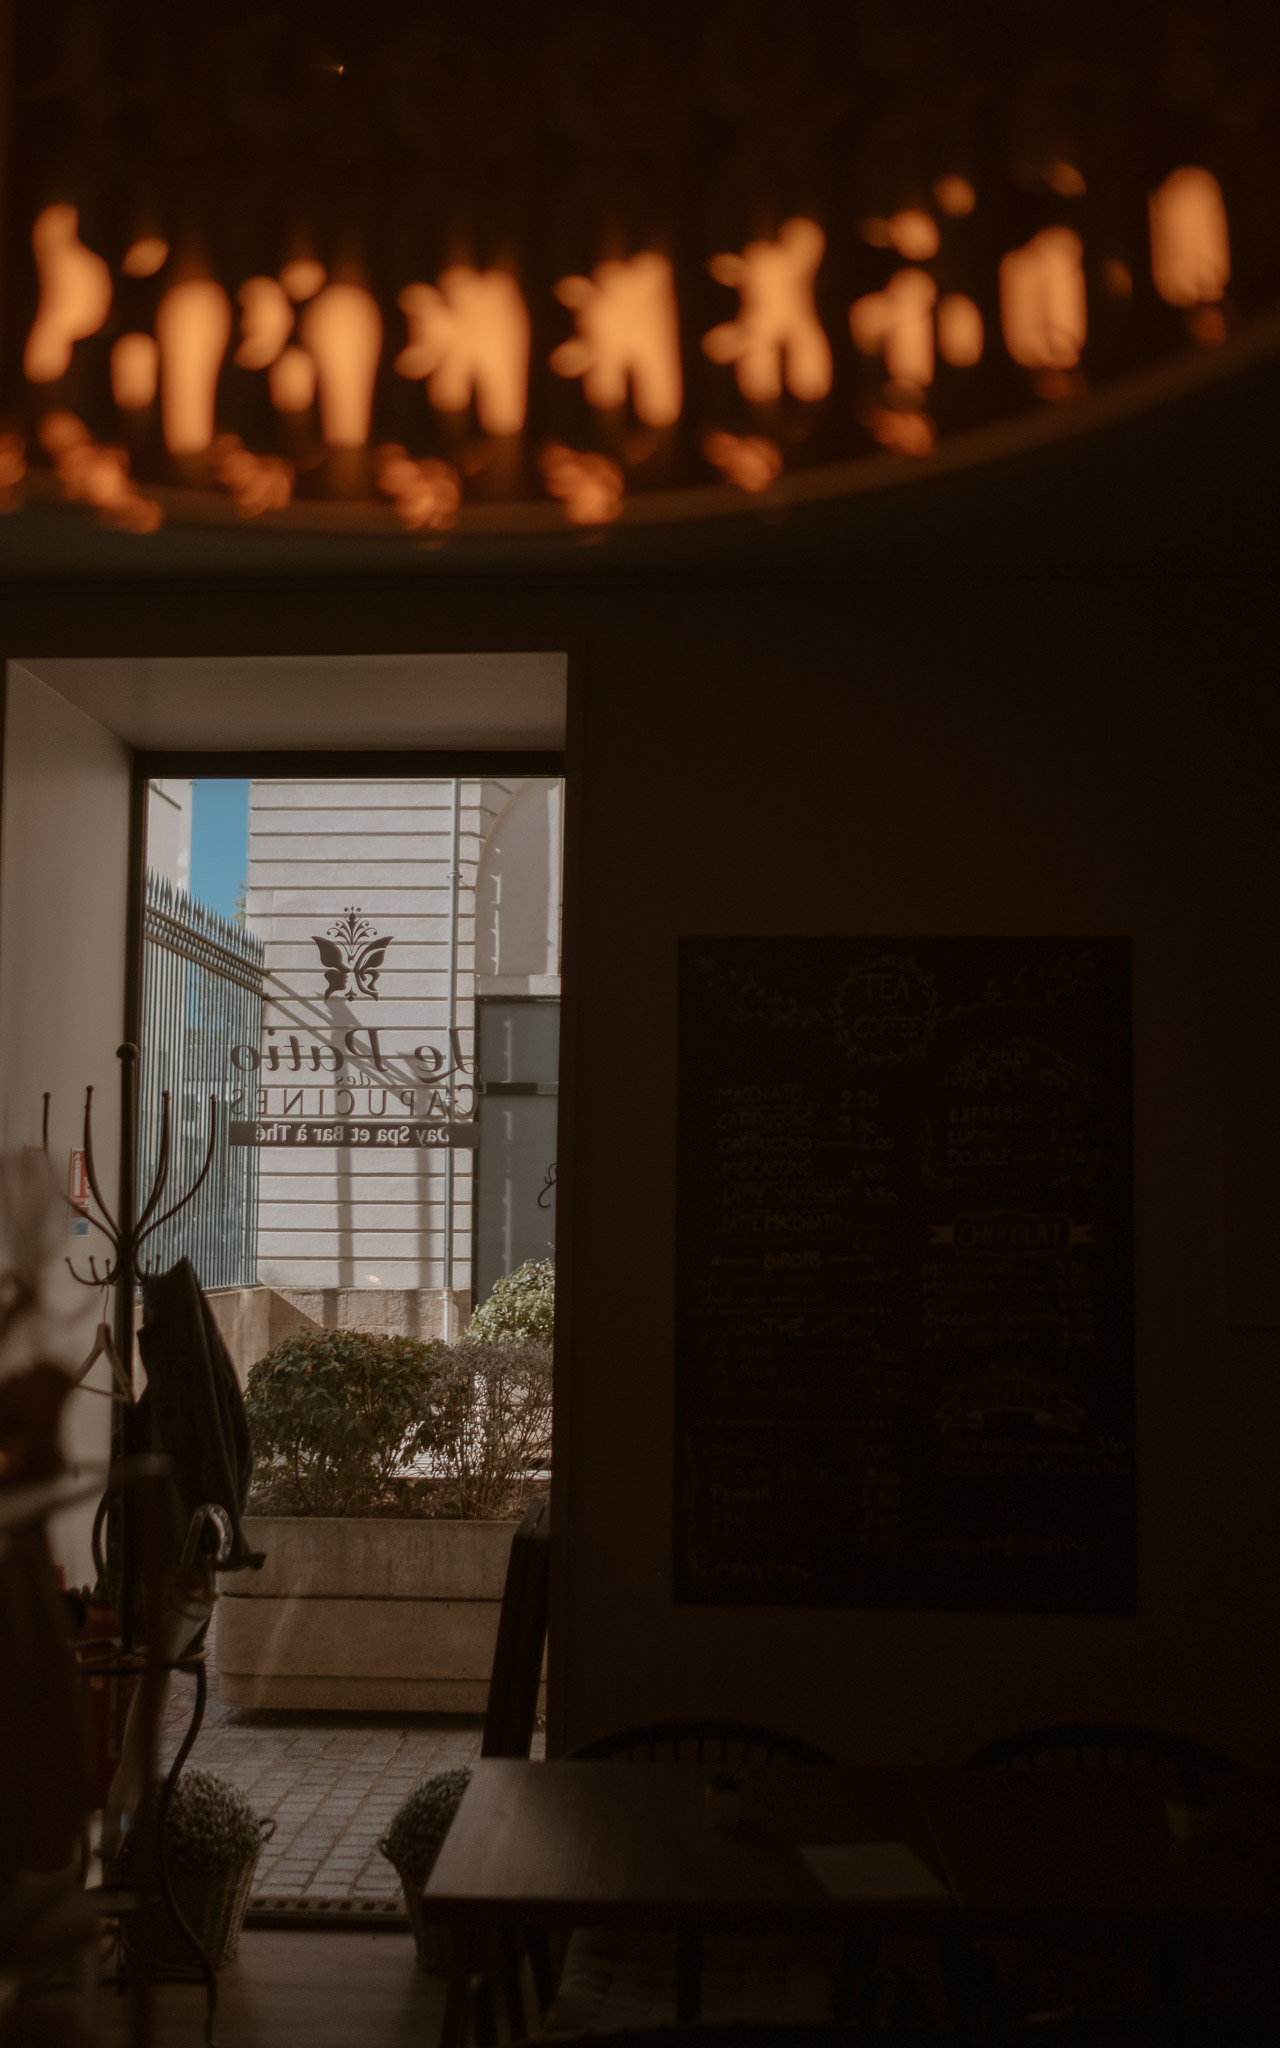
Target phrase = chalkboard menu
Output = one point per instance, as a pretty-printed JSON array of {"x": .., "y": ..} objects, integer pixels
[{"x": 904, "y": 1296}]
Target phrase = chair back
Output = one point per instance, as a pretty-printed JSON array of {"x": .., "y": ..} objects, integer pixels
[
  {"x": 1098, "y": 1746},
  {"x": 727, "y": 1744},
  {"x": 522, "y": 1633}
]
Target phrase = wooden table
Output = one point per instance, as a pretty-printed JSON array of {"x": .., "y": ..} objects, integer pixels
[
  {"x": 632, "y": 1845},
  {"x": 599, "y": 1844}
]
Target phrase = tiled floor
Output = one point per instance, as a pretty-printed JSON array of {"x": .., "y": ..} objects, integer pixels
[{"x": 331, "y": 1783}]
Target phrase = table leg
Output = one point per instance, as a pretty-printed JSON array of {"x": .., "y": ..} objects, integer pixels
[
  {"x": 688, "y": 1975},
  {"x": 468, "y": 1948}
]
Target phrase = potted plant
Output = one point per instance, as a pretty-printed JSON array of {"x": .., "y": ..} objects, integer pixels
[
  {"x": 412, "y": 1843},
  {"x": 390, "y": 1478},
  {"x": 212, "y": 1841}
]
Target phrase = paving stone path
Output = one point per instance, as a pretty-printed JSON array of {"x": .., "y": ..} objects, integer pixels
[{"x": 331, "y": 1783}]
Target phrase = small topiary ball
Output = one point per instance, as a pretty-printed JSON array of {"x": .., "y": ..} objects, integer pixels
[
  {"x": 414, "y": 1838},
  {"x": 209, "y": 1824}
]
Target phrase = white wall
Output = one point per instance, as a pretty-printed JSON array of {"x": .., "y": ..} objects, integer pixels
[
  {"x": 344, "y": 1218},
  {"x": 64, "y": 863},
  {"x": 169, "y": 829},
  {"x": 518, "y": 893}
]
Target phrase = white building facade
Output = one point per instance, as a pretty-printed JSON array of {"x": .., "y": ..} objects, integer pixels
[{"x": 403, "y": 1097}]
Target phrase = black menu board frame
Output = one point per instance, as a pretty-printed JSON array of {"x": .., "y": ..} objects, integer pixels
[{"x": 904, "y": 1372}]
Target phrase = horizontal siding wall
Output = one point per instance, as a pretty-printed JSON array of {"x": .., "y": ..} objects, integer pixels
[{"x": 317, "y": 848}]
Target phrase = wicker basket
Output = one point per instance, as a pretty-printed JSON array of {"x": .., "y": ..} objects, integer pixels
[
  {"x": 213, "y": 1903},
  {"x": 431, "y": 1941}
]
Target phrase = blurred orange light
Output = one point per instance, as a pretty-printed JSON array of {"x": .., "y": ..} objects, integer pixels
[
  {"x": 955, "y": 195},
  {"x": 898, "y": 322},
  {"x": 266, "y": 319},
  {"x": 291, "y": 381},
  {"x": 469, "y": 338},
  {"x": 13, "y": 467},
  {"x": 628, "y": 336},
  {"x": 75, "y": 293},
  {"x": 258, "y": 483},
  {"x": 875, "y": 232},
  {"x": 588, "y": 486},
  {"x": 95, "y": 475},
  {"x": 1190, "y": 245},
  {"x": 751, "y": 461},
  {"x": 425, "y": 493},
  {"x": 135, "y": 367},
  {"x": 303, "y": 277},
  {"x": 1064, "y": 179},
  {"x": 960, "y": 332},
  {"x": 1117, "y": 279},
  {"x": 1207, "y": 325},
  {"x": 914, "y": 234},
  {"x": 777, "y": 335},
  {"x": 907, "y": 432},
  {"x": 1042, "y": 300},
  {"x": 343, "y": 330},
  {"x": 193, "y": 327},
  {"x": 145, "y": 256}
]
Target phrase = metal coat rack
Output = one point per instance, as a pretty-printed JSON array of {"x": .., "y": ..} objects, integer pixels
[{"x": 125, "y": 1268}]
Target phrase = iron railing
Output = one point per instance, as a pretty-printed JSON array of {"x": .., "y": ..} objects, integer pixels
[{"x": 201, "y": 996}]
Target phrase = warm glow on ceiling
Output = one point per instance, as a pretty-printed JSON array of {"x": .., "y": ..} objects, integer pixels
[
  {"x": 351, "y": 289},
  {"x": 628, "y": 337},
  {"x": 75, "y": 293},
  {"x": 777, "y": 337}
]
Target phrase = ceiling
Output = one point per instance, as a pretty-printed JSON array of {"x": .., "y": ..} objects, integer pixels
[{"x": 372, "y": 702}]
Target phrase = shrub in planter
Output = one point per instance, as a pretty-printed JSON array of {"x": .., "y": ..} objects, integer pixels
[
  {"x": 500, "y": 1451},
  {"x": 339, "y": 1417},
  {"x": 412, "y": 1843},
  {"x": 521, "y": 1308},
  {"x": 212, "y": 1841}
]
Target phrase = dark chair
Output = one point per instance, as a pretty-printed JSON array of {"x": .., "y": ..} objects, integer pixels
[
  {"x": 1098, "y": 1746},
  {"x": 720, "y": 1745},
  {"x": 1032, "y": 1975},
  {"x": 512, "y": 1712}
]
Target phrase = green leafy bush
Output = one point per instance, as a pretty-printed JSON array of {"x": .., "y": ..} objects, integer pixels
[
  {"x": 501, "y": 1447},
  {"x": 339, "y": 1418},
  {"x": 521, "y": 1308}
]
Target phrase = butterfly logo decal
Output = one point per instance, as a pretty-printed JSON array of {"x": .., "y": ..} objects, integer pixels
[{"x": 351, "y": 955}]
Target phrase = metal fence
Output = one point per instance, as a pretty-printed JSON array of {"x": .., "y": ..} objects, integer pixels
[{"x": 201, "y": 995}]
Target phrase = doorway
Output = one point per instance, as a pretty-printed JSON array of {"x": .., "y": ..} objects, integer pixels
[{"x": 108, "y": 737}]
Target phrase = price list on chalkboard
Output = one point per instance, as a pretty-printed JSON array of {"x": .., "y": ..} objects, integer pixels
[{"x": 904, "y": 1293}]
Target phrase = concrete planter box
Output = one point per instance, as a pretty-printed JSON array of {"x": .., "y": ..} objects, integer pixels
[{"x": 378, "y": 1616}]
